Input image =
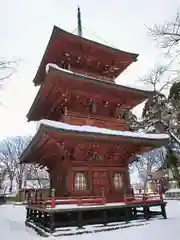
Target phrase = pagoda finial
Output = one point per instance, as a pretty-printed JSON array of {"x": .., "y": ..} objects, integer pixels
[{"x": 79, "y": 22}]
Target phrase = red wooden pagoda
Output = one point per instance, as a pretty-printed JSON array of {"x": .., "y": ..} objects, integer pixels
[
  {"x": 82, "y": 138},
  {"x": 77, "y": 88}
]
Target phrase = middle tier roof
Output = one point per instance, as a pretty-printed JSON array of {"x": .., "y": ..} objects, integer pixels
[{"x": 60, "y": 85}]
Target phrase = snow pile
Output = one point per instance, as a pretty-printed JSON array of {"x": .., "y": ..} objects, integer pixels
[
  {"x": 105, "y": 131},
  {"x": 12, "y": 227},
  {"x": 12, "y": 224}
]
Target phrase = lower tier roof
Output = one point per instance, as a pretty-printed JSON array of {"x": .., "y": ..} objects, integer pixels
[
  {"x": 96, "y": 131},
  {"x": 65, "y": 132}
]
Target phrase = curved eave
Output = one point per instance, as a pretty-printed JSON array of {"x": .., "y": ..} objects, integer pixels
[
  {"x": 105, "y": 136},
  {"x": 81, "y": 78},
  {"x": 90, "y": 136},
  {"x": 57, "y": 33},
  {"x": 97, "y": 81}
]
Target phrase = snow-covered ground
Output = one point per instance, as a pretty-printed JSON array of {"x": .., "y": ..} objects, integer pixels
[{"x": 12, "y": 227}]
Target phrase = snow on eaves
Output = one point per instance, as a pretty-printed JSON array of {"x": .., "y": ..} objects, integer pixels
[
  {"x": 134, "y": 87},
  {"x": 61, "y": 69},
  {"x": 105, "y": 131}
]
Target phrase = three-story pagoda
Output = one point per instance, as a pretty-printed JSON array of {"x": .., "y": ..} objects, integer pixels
[{"x": 83, "y": 138}]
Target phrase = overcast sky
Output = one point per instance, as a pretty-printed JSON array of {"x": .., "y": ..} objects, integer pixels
[{"x": 25, "y": 28}]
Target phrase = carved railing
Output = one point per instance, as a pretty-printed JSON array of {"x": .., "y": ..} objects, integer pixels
[
  {"x": 137, "y": 199},
  {"x": 80, "y": 201}
]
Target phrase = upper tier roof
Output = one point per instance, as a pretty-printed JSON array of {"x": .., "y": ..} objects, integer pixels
[
  {"x": 84, "y": 56},
  {"x": 57, "y": 78},
  {"x": 66, "y": 131}
]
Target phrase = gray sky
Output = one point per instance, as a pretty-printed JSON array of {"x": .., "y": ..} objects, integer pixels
[{"x": 25, "y": 28}]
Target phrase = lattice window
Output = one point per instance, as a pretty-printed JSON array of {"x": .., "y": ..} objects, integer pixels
[
  {"x": 80, "y": 183},
  {"x": 117, "y": 179}
]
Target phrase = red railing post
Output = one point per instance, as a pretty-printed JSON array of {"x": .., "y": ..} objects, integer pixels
[
  {"x": 124, "y": 198},
  {"x": 103, "y": 197},
  {"x": 53, "y": 201},
  {"x": 80, "y": 201}
]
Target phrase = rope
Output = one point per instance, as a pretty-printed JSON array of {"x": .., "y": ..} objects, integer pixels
[
  {"x": 94, "y": 34},
  {"x": 74, "y": 30}
]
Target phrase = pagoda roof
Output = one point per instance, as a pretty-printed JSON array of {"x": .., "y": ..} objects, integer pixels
[
  {"x": 62, "y": 41},
  {"x": 85, "y": 82},
  {"x": 90, "y": 130},
  {"x": 81, "y": 77},
  {"x": 66, "y": 131}
]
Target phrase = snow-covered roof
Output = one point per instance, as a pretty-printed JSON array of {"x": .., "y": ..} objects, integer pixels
[
  {"x": 132, "y": 87},
  {"x": 173, "y": 190},
  {"x": 102, "y": 134},
  {"x": 58, "y": 76},
  {"x": 104, "y": 131},
  {"x": 35, "y": 184}
]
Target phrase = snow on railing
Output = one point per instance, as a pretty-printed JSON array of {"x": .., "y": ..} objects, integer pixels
[{"x": 143, "y": 198}]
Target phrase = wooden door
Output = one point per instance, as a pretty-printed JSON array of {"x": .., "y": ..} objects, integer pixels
[{"x": 100, "y": 182}]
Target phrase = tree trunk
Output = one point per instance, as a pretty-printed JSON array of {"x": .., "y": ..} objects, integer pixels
[
  {"x": 145, "y": 187},
  {"x": 11, "y": 185}
]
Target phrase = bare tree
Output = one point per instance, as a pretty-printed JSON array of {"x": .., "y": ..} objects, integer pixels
[
  {"x": 159, "y": 107},
  {"x": 9, "y": 158},
  {"x": 148, "y": 163},
  {"x": 6, "y": 69},
  {"x": 2, "y": 178},
  {"x": 157, "y": 79},
  {"x": 162, "y": 108},
  {"x": 168, "y": 34},
  {"x": 37, "y": 176},
  {"x": 10, "y": 152}
]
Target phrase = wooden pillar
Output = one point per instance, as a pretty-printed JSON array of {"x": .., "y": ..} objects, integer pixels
[
  {"x": 146, "y": 212},
  {"x": 163, "y": 211},
  {"x": 127, "y": 214},
  {"x": 104, "y": 217},
  {"x": 79, "y": 219},
  {"x": 52, "y": 223}
]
